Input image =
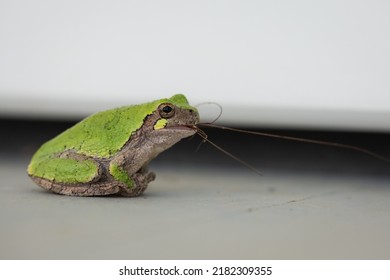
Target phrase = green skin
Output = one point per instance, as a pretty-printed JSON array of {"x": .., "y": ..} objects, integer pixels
[{"x": 108, "y": 152}]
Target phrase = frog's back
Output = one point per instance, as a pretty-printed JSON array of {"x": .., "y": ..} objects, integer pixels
[{"x": 100, "y": 135}]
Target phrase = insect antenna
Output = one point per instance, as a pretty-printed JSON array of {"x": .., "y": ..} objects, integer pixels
[
  {"x": 298, "y": 139},
  {"x": 204, "y": 135},
  {"x": 205, "y": 139},
  {"x": 212, "y": 103}
]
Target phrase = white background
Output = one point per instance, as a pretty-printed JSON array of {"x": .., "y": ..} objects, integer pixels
[{"x": 278, "y": 63}]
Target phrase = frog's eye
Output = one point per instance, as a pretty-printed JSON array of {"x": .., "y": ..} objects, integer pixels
[{"x": 166, "y": 110}]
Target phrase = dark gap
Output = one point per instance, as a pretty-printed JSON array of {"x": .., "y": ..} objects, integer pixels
[{"x": 20, "y": 139}]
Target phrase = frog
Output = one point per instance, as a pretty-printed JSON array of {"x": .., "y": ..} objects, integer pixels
[{"x": 108, "y": 153}]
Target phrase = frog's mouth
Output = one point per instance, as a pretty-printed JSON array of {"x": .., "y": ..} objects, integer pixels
[
  {"x": 183, "y": 127},
  {"x": 182, "y": 130}
]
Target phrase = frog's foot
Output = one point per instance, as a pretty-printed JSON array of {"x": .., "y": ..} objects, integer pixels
[{"x": 140, "y": 183}]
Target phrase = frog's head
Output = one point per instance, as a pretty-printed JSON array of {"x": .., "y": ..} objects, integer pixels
[
  {"x": 172, "y": 120},
  {"x": 176, "y": 113}
]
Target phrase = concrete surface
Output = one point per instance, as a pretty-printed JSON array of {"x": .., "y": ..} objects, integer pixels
[{"x": 204, "y": 206}]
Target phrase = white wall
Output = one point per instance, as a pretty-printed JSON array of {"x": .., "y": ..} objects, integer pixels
[{"x": 298, "y": 63}]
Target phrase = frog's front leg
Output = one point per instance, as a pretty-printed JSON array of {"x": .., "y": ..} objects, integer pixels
[
  {"x": 141, "y": 181},
  {"x": 131, "y": 184}
]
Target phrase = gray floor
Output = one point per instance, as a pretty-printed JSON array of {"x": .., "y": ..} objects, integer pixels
[{"x": 204, "y": 206}]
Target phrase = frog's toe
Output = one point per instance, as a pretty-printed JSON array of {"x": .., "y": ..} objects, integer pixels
[
  {"x": 140, "y": 184},
  {"x": 151, "y": 176}
]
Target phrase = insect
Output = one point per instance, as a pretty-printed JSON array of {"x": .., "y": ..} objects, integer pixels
[{"x": 109, "y": 152}]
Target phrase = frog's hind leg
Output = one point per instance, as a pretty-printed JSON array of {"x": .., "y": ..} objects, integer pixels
[
  {"x": 71, "y": 174},
  {"x": 81, "y": 189}
]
